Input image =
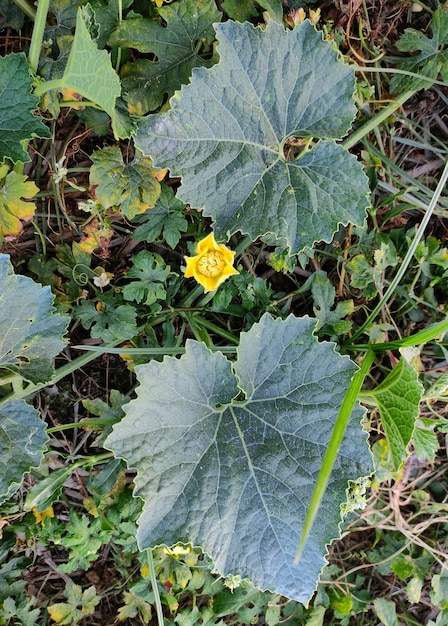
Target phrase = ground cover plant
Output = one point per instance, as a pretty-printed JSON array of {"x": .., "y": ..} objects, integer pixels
[{"x": 223, "y": 312}]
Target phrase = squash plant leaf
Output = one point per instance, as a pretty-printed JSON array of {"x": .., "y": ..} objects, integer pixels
[
  {"x": 133, "y": 186},
  {"x": 228, "y": 133},
  {"x": 398, "y": 398},
  {"x": 432, "y": 58},
  {"x": 227, "y": 454},
  {"x": 30, "y": 332},
  {"x": 13, "y": 208},
  {"x": 89, "y": 71},
  {"x": 17, "y": 122},
  {"x": 178, "y": 47},
  {"x": 22, "y": 441}
]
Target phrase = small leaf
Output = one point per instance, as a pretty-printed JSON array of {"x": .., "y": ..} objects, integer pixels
[
  {"x": 151, "y": 272},
  {"x": 17, "y": 123},
  {"x": 89, "y": 71},
  {"x": 176, "y": 46},
  {"x": 398, "y": 398},
  {"x": 227, "y": 135},
  {"x": 433, "y": 56},
  {"x": 166, "y": 217},
  {"x": 13, "y": 207},
  {"x": 133, "y": 187},
  {"x": 22, "y": 441},
  {"x": 386, "y": 611},
  {"x": 30, "y": 333},
  {"x": 227, "y": 454},
  {"x": 109, "y": 322}
]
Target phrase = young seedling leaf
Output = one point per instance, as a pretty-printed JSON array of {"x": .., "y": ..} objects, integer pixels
[
  {"x": 227, "y": 455},
  {"x": 89, "y": 71},
  {"x": 398, "y": 398},
  {"x": 13, "y": 207},
  {"x": 230, "y": 131},
  {"x": 177, "y": 48},
  {"x": 17, "y": 122},
  {"x": 133, "y": 187},
  {"x": 30, "y": 332},
  {"x": 432, "y": 58},
  {"x": 22, "y": 442}
]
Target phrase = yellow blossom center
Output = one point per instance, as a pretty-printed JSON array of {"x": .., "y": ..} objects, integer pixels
[{"x": 211, "y": 263}]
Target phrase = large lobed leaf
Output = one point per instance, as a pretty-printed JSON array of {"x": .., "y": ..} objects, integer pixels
[
  {"x": 22, "y": 441},
  {"x": 226, "y": 132},
  {"x": 17, "y": 122},
  {"x": 227, "y": 455},
  {"x": 30, "y": 332},
  {"x": 176, "y": 46}
]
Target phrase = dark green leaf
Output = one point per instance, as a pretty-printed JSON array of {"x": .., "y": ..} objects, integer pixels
[
  {"x": 178, "y": 48},
  {"x": 166, "y": 217},
  {"x": 17, "y": 122}
]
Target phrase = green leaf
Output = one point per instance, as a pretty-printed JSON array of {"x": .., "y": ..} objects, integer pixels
[
  {"x": 111, "y": 323},
  {"x": 386, "y": 611},
  {"x": 30, "y": 333},
  {"x": 324, "y": 295},
  {"x": 151, "y": 272},
  {"x": 426, "y": 444},
  {"x": 13, "y": 208},
  {"x": 22, "y": 441},
  {"x": 227, "y": 454},
  {"x": 17, "y": 122},
  {"x": 89, "y": 71},
  {"x": 166, "y": 217},
  {"x": 398, "y": 398},
  {"x": 240, "y": 10},
  {"x": 177, "y": 48},
  {"x": 432, "y": 59},
  {"x": 130, "y": 186},
  {"x": 226, "y": 133}
]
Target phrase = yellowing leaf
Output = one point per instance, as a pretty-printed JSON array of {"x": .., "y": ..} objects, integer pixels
[
  {"x": 13, "y": 207},
  {"x": 96, "y": 236}
]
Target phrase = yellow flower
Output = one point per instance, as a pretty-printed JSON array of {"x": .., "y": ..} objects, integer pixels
[{"x": 212, "y": 265}]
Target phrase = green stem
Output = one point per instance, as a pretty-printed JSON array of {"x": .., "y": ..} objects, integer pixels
[
  {"x": 377, "y": 119},
  {"x": 155, "y": 588},
  {"x": 38, "y": 34},
  {"x": 60, "y": 373},
  {"x": 27, "y": 8},
  {"x": 165, "y": 351},
  {"x": 332, "y": 450},
  {"x": 409, "y": 255}
]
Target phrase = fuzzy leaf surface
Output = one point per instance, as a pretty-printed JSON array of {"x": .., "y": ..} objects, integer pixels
[
  {"x": 398, "y": 398},
  {"x": 227, "y": 455},
  {"x": 22, "y": 441},
  {"x": 17, "y": 122},
  {"x": 30, "y": 332},
  {"x": 176, "y": 46},
  {"x": 225, "y": 133}
]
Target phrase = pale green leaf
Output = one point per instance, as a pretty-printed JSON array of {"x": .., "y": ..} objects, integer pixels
[
  {"x": 398, "y": 398},
  {"x": 131, "y": 186},
  {"x": 17, "y": 122},
  {"x": 89, "y": 71},
  {"x": 426, "y": 444},
  {"x": 177, "y": 47},
  {"x": 226, "y": 133},
  {"x": 22, "y": 441},
  {"x": 227, "y": 455},
  {"x": 386, "y": 611},
  {"x": 30, "y": 332}
]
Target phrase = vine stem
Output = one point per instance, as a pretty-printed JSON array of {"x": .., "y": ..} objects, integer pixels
[
  {"x": 409, "y": 255},
  {"x": 155, "y": 588},
  {"x": 38, "y": 34},
  {"x": 27, "y": 8}
]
